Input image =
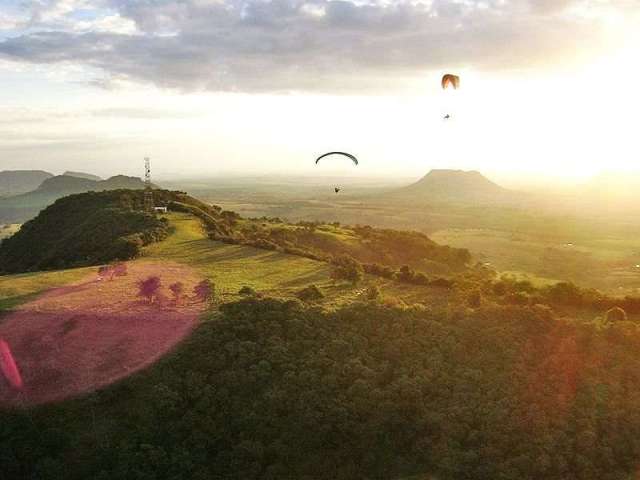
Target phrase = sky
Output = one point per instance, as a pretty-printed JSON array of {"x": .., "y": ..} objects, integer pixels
[{"x": 253, "y": 87}]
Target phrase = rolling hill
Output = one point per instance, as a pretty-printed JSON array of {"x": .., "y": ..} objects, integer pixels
[{"x": 15, "y": 182}]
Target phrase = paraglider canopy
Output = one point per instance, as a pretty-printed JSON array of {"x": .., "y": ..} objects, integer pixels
[
  {"x": 450, "y": 80},
  {"x": 348, "y": 155}
]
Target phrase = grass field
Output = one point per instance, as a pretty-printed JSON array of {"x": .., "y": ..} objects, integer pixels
[
  {"x": 234, "y": 266},
  {"x": 16, "y": 289},
  {"x": 230, "y": 267},
  {"x": 604, "y": 262},
  {"x": 271, "y": 273}
]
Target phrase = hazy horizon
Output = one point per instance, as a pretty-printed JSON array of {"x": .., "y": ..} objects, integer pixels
[{"x": 97, "y": 85}]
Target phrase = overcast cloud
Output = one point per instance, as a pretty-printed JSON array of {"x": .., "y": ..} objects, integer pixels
[{"x": 297, "y": 45}]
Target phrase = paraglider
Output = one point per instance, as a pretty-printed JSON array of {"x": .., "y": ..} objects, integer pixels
[
  {"x": 9, "y": 367},
  {"x": 453, "y": 81},
  {"x": 450, "y": 80},
  {"x": 348, "y": 155}
]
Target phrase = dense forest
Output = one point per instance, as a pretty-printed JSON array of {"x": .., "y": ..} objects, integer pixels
[
  {"x": 83, "y": 229},
  {"x": 271, "y": 389}
]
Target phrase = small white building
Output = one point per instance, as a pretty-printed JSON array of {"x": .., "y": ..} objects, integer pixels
[{"x": 160, "y": 209}]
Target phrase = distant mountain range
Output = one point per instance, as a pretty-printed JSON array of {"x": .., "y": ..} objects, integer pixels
[
  {"x": 15, "y": 182},
  {"x": 19, "y": 208},
  {"x": 88, "y": 176}
]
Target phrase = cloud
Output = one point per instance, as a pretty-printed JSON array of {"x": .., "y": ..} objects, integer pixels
[
  {"x": 145, "y": 113},
  {"x": 303, "y": 45}
]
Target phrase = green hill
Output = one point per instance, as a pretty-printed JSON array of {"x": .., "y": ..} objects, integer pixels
[{"x": 82, "y": 229}]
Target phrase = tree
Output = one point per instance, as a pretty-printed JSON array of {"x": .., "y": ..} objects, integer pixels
[
  {"x": 373, "y": 292},
  {"x": 310, "y": 293},
  {"x": 247, "y": 291},
  {"x": 347, "y": 268},
  {"x": 177, "y": 289},
  {"x": 204, "y": 291},
  {"x": 149, "y": 287}
]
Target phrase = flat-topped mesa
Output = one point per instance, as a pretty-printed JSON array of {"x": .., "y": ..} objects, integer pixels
[{"x": 453, "y": 186}]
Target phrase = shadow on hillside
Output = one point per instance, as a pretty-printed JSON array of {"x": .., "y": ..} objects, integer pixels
[
  {"x": 316, "y": 276},
  {"x": 61, "y": 291},
  {"x": 9, "y": 303},
  {"x": 205, "y": 251}
]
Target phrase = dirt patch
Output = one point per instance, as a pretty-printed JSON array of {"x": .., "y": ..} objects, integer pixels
[{"x": 75, "y": 339}]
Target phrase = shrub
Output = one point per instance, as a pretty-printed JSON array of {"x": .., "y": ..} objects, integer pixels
[
  {"x": 379, "y": 270},
  {"x": 310, "y": 293},
  {"x": 204, "y": 291},
  {"x": 373, "y": 292},
  {"x": 247, "y": 291},
  {"x": 407, "y": 275},
  {"x": 177, "y": 289},
  {"x": 347, "y": 268},
  {"x": 149, "y": 287},
  {"x": 564, "y": 293}
]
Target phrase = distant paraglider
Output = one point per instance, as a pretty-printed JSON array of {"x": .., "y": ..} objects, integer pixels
[
  {"x": 453, "y": 81},
  {"x": 344, "y": 154},
  {"x": 348, "y": 155},
  {"x": 450, "y": 80}
]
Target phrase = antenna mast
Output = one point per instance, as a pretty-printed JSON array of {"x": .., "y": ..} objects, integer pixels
[{"x": 148, "y": 192}]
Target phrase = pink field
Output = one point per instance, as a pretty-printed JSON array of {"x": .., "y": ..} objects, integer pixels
[{"x": 77, "y": 338}]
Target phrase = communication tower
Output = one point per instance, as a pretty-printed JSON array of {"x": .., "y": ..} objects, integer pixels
[{"x": 148, "y": 192}]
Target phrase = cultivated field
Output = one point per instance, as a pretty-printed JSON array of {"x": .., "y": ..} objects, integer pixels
[{"x": 609, "y": 262}]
